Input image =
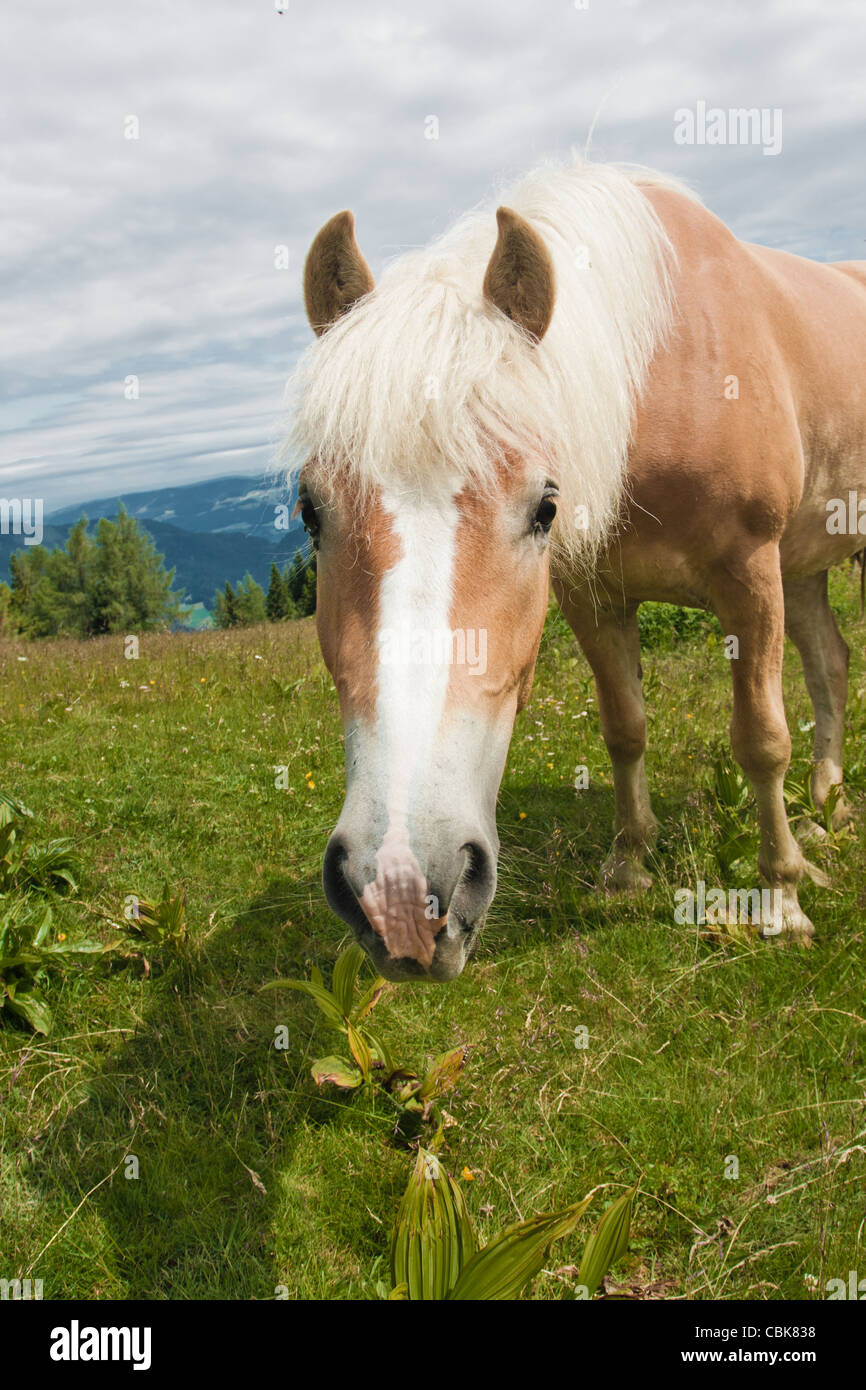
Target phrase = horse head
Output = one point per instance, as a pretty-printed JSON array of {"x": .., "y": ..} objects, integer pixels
[{"x": 432, "y": 594}]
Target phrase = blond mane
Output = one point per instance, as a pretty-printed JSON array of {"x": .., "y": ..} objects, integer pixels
[{"x": 423, "y": 376}]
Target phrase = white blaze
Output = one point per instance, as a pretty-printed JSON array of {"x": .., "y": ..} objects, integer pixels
[{"x": 415, "y": 597}]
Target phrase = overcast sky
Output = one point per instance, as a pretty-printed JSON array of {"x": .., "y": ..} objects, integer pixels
[{"x": 155, "y": 257}]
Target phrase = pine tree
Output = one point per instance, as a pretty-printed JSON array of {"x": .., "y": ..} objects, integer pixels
[
  {"x": 277, "y": 601},
  {"x": 7, "y": 622},
  {"x": 226, "y": 610},
  {"x": 26, "y": 568},
  {"x": 113, "y": 583},
  {"x": 295, "y": 577},
  {"x": 291, "y": 606},
  {"x": 131, "y": 590},
  {"x": 251, "y": 601},
  {"x": 307, "y": 604},
  {"x": 49, "y": 587},
  {"x": 301, "y": 582},
  {"x": 241, "y": 607}
]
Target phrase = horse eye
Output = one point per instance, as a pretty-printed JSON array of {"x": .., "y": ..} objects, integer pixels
[
  {"x": 545, "y": 515},
  {"x": 310, "y": 519}
]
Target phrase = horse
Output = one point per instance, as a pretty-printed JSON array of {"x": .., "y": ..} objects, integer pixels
[{"x": 604, "y": 388}]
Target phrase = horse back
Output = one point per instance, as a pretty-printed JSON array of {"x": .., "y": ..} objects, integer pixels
[
  {"x": 856, "y": 269},
  {"x": 754, "y": 413}
]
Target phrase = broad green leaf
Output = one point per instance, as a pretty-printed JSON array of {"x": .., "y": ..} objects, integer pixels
[
  {"x": 73, "y": 948},
  {"x": 338, "y": 1071},
  {"x": 369, "y": 999},
  {"x": 162, "y": 923},
  {"x": 432, "y": 1237},
  {"x": 43, "y": 925},
  {"x": 54, "y": 861},
  {"x": 444, "y": 1073},
  {"x": 31, "y": 1008},
  {"x": 380, "y": 1052},
  {"x": 608, "y": 1242},
  {"x": 345, "y": 974},
  {"x": 360, "y": 1051},
  {"x": 323, "y": 997},
  {"x": 408, "y": 1092},
  {"x": 28, "y": 958},
  {"x": 10, "y": 808},
  {"x": 513, "y": 1258}
]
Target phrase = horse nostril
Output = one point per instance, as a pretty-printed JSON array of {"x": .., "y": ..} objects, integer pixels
[
  {"x": 338, "y": 890},
  {"x": 477, "y": 883}
]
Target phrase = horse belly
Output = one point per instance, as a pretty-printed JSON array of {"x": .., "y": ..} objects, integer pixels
[
  {"x": 830, "y": 383},
  {"x": 830, "y": 522}
]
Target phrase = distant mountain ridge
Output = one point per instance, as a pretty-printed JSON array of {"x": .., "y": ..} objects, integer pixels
[
  {"x": 209, "y": 533},
  {"x": 235, "y": 503}
]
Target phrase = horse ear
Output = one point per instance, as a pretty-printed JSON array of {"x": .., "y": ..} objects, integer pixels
[
  {"x": 335, "y": 273},
  {"x": 520, "y": 279}
]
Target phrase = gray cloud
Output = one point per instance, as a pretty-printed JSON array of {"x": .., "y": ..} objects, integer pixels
[{"x": 155, "y": 256}]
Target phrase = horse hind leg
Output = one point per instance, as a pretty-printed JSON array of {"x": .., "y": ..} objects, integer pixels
[{"x": 824, "y": 653}]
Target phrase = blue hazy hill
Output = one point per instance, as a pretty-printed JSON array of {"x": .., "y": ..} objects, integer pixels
[{"x": 208, "y": 532}]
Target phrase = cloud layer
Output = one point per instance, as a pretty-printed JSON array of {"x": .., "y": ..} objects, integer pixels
[{"x": 157, "y": 257}]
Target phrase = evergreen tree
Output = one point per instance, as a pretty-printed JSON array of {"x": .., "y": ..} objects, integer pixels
[
  {"x": 241, "y": 607},
  {"x": 291, "y": 606},
  {"x": 301, "y": 582},
  {"x": 131, "y": 590},
  {"x": 113, "y": 583},
  {"x": 226, "y": 610},
  {"x": 49, "y": 587},
  {"x": 251, "y": 601},
  {"x": 62, "y": 597},
  {"x": 294, "y": 576},
  {"x": 7, "y": 623},
  {"x": 307, "y": 602},
  {"x": 26, "y": 568},
  {"x": 278, "y": 599}
]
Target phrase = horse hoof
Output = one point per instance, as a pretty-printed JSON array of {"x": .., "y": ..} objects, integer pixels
[
  {"x": 624, "y": 875},
  {"x": 843, "y": 817},
  {"x": 795, "y": 927}
]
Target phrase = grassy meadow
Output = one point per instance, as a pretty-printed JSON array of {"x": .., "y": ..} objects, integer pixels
[{"x": 700, "y": 1047}]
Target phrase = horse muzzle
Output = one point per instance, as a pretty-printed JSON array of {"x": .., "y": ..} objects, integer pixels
[{"x": 414, "y": 922}]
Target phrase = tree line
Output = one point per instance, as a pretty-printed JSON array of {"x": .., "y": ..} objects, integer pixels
[
  {"x": 111, "y": 581},
  {"x": 115, "y": 581},
  {"x": 291, "y": 594}
]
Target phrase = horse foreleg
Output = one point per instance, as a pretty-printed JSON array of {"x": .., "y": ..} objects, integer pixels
[
  {"x": 748, "y": 598},
  {"x": 612, "y": 648},
  {"x": 824, "y": 654}
]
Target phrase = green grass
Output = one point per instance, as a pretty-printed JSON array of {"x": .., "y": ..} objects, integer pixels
[{"x": 249, "y": 1177}]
